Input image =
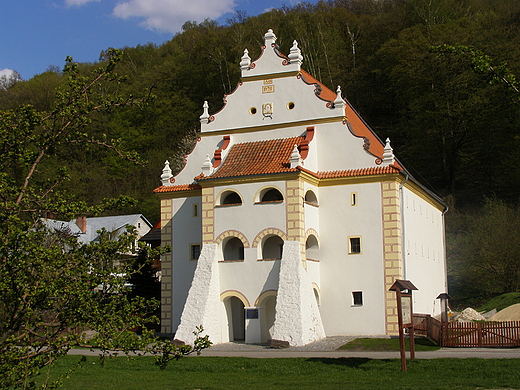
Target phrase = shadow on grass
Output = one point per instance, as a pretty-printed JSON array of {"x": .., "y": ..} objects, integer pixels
[
  {"x": 344, "y": 362},
  {"x": 388, "y": 344}
]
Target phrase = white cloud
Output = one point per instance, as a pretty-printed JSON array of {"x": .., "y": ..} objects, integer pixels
[
  {"x": 170, "y": 15},
  {"x": 78, "y": 3}
]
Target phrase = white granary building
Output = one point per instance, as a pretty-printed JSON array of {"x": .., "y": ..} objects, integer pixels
[{"x": 291, "y": 219}]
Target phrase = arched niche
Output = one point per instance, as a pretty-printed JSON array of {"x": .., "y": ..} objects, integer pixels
[
  {"x": 311, "y": 198},
  {"x": 312, "y": 248},
  {"x": 269, "y": 195},
  {"x": 229, "y": 198},
  {"x": 232, "y": 249},
  {"x": 272, "y": 247}
]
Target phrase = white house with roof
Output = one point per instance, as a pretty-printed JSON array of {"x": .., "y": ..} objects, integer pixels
[
  {"x": 87, "y": 229},
  {"x": 291, "y": 220}
]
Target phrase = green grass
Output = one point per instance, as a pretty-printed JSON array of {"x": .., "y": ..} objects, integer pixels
[
  {"x": 500, "y": 302},
  {"x": 292, "y": 373},
  {"x": 388, "y": 344}
]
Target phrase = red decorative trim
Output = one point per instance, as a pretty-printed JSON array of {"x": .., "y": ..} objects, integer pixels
[
  {"x": 217, "y": 155},
  {"x": 329, "y": 105},
  {"x": 217, "y": 158},
  {"x": 212, "y": 118},
  {"x": 172, "y": 180},
  {"x": 309, "y": 133},
  {"x": 379, "y": 161},
  {"x": 227, "y": 140},
  {"x": 285, "y": 62},
  {"x": 304, "y": 149}
]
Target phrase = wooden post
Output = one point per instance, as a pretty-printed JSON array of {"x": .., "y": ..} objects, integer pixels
[
  {"x": 404, "y": 317},
  {"x": 412, "y": 343},
  {"x": 402, "y": 349}
]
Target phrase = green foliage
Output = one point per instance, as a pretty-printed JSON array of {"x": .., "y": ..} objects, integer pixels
[
  {"x": 388, "y": 344},
  {"x": 53, "y": 289},
  {"x": 484, "y": 252},
  {"x": 169, "y": 350},
  {"x": 293, "y": 373},
  {"x": 500, "y": 302}
]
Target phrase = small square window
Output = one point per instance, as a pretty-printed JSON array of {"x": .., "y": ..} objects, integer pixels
[
  {"x": 194, "y": 251},
  {"x": 357, "y": 298},
  {"x": 354, "y": 245},
  {"x": 353, "y": 199}
]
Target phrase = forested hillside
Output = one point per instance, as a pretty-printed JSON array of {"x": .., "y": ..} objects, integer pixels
[{"x": 435, "y": 76}]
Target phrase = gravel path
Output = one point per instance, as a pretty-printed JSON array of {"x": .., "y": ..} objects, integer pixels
[{"x": 326, "y": 344}]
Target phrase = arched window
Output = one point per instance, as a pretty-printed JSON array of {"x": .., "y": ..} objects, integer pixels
[
  {"x": 272, "y": 195},
  {"x": 272, "y": 248},
  {"x": 312, "y": 248},
  {"x": 233, "y": 249},
  {"x": 230, "y": 198},
  {"x": 310, "y": 197}
]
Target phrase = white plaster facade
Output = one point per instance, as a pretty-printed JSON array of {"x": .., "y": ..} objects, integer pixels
[{"x": 349, "y": 218}]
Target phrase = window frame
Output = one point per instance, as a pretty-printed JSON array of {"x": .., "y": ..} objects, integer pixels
[
  {"x": 192, "y": 247},
  {"x": 354, "y": 248},
  {"x": 357, "y": 298}
]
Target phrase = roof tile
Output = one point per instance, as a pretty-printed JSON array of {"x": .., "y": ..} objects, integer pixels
[
  {"x": 180, "y": 187},
  {"x": 257, "y": 158}
]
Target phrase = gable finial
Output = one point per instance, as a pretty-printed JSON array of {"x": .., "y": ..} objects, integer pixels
[
  {"x": 295, "y": 55},
  {"x": 296, "y": 158},
  {"x": 204, "y": 118},
  {"x": 207, "y": 166},
  {"x": 388, "y": 155},
  {"x": 245, "y": 63},
  {"x": 339, "y": 102},
  {"x": 269, "y": 38},
  {"x": 166, "y": 174}
]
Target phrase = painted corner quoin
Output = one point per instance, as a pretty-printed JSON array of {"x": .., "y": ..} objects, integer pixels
[{"x": 277, "y": 266}]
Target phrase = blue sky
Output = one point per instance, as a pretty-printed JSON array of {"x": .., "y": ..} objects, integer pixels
[{"x": 35, "y": 34}]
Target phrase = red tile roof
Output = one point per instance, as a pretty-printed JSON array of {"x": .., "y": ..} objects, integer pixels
[
  {"x": 257, "y": 158},
  {"x": 381, "y": 170},
  {"x": 180, "y": 187}
]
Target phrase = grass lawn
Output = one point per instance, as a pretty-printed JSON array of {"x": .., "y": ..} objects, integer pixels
[
  {"x": 388, "y": 344},
  {"x": 291, "y": 373},
  {"x": 501, "y": 302}
]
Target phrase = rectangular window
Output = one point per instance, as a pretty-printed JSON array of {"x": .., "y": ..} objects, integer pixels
[
  {"x": 354, "y": 244},
  {"x": 195, "y": 210},
  {"x": 357, "y": 298},
  {"x": 194, "y": 251}
]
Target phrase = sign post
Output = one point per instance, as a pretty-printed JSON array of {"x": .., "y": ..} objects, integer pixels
[{"x": 403, "y": 290}]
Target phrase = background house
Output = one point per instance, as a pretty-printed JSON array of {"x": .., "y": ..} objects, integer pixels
[{"x": 291, "y": 219}]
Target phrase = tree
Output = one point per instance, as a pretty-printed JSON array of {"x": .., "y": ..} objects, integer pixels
[
  {"x": 484, "y": 251},
  {"x": 9, "y": 78},
  {"x": 52, "y": 288}
]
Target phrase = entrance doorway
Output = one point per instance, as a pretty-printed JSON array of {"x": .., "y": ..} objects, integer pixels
[
  {"x": 268, "y": 302},
  {"x": 236, "y": 319}
]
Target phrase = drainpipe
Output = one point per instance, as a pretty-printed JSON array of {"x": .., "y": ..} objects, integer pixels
[
  {"x": 403, "y": 235},
  {"x": 444, "y": 248}
]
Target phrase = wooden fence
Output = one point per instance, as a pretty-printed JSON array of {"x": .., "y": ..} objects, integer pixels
[{"x": 468, "y": 334}]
